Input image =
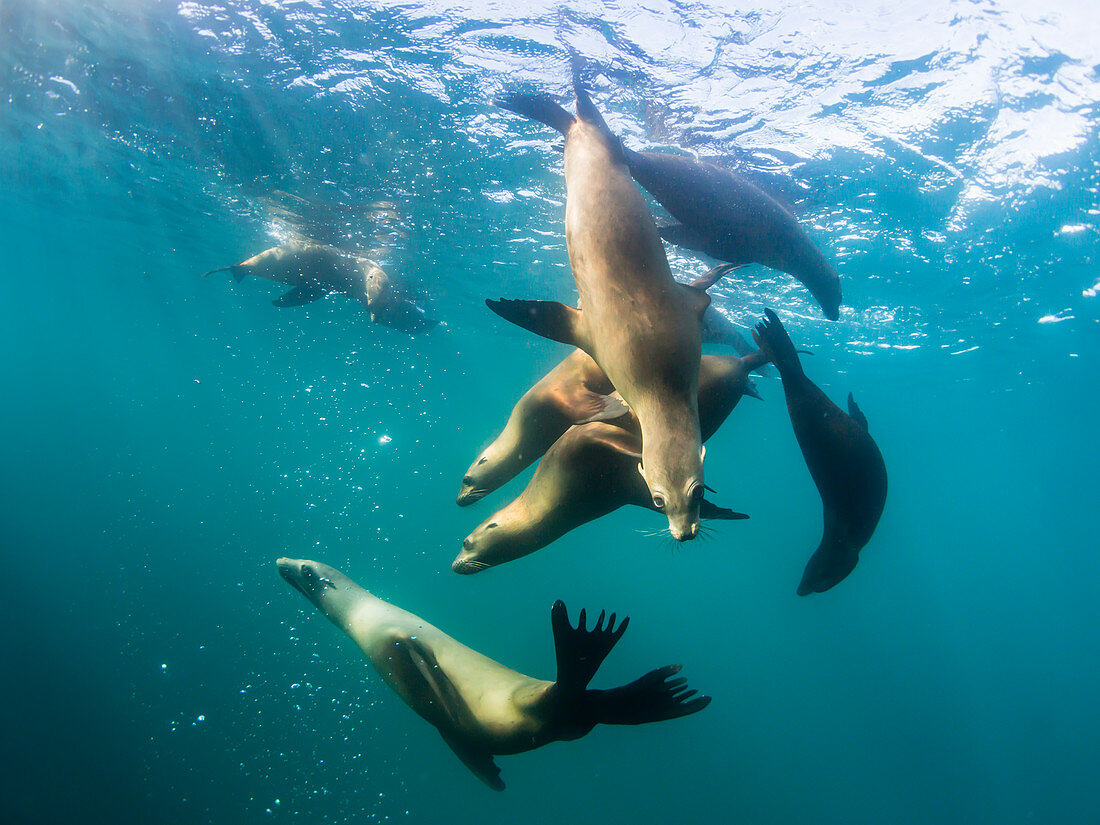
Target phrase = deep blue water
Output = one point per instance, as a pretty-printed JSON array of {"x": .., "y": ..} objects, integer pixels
[{"x": 166, "y": 437}]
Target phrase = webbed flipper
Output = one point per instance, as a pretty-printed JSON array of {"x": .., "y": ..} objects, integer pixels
[
  {"x": 585, "y": 406},
  {"x": 580, "y": 651},
  {"x": 856, "y": 412},
  {"x": 710, "y": 510},
  {"x": 479, "y": 762},
  {"x": 238, "y": 271},
  {"x": 680, "y": 235},
  {"x": 775, "y": 343},
  {"x": 549, "y": 319},
  {"x": 304, "y": 294},
  {"x": 653, "y": 698},
  {"x": 541, "y": 107},
  {"x": 709, "y": 279}
]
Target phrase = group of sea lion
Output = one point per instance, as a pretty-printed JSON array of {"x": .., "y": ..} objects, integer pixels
[{"x": 621, "y": 420}]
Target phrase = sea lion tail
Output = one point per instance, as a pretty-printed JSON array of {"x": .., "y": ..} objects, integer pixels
[
  {"x": 773, "y": 340},
  {"x": 542, "y": 108},
  {"x": 580, "y": 651},
  {"x": 653, "y": 698}
]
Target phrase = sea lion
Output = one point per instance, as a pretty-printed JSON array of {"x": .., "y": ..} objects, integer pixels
[
  {"x": 316, "y": 270},
  {"x": 842, "y": 458},
  {"x": 640, "y": 325},
  {"x": 480, "y": 707},
  {"x": 574, "y": 392},
  {"x": 728, "y": 218},
  {"x": 590, "y": 472}
]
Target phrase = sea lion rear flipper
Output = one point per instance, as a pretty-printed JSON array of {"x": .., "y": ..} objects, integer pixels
[
  {"x": 238, "y": 271},
  {"x": 649, "y": 699},
  {"x": 775, "y": 343},
  {"x": 549, "y": 319},
  {"x": 709, "y": 510},
  {"x": 304, "y": 294},
  {"x": 479, "y": 762},
  {"x": 856, "y": 412},
  {"x": 580, "y": 651},
  {"x": 542, "y": 108}
]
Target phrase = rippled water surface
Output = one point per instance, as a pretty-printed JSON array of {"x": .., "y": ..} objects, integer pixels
[{"x": 166, "y": 437}]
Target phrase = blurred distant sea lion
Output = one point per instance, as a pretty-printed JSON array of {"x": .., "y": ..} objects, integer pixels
[{"x": 315, "y": 271}]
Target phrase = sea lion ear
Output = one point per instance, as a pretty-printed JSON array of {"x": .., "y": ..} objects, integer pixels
[
  {"x": 641, "y": 469},
  {"x": 703, "y": 452}
]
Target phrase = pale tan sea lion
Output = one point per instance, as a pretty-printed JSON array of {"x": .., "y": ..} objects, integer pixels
[
  {"x": 316, "y": 270},
  {"x": 480, "y": 707},
  {"x": 590, "y": 472},
  {"x": 641, "y": 326},
  {"x": 574, "y": 392}
]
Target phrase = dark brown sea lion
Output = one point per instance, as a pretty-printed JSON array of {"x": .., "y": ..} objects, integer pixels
[
  {"x": 590, "y": 472},
  {"x": 316, "y": 270},
  {"x": 843, "y": 459},
  {"x": 480, "y": 707},
  {"x": 729, "y": 218},
  {"x": 641, "y": 326}
]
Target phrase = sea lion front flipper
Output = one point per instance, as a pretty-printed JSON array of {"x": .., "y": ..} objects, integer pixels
[
  {"x": 304, "y": 294},
  {"x": 580, "y": 651},
  {"x": 649, "y": 699},
  {"x": 420, "y": 668},
  {"x": 549, "y": 319},
  {"x": 479, "y": 762},
  {"x": 857, "y": 413},
  {"x": 706, "y": 281},
  {"x": 680, "y": 235},
  {"x": 709, "y": 510},
  {"x": 583, "y": 406}
]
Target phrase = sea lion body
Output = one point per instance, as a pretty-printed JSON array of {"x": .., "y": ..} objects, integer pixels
[
  {"x": 575, "y": 391},
  {"x": 316, "y": 270},
  {"x": 843, "y": 460},
  {"x": 729, "y": 218},
  {"x": 480, "y": 707},
  {"x": 591, "y": 471},
  {"x": 640, "y": 325}
]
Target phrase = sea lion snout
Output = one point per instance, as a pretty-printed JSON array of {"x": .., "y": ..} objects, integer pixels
[{"x": 684, "y": 532}]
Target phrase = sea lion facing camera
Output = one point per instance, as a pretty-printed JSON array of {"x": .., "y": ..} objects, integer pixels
[
  {"x": 316, "y": 270},
  {"x": 842, "y": 458},
  {"x": 590, "y": 472},
  {"x": 728, "y": 218},
  {"x": 636, "y": 321},
  {"x": 480, "y": 707}
]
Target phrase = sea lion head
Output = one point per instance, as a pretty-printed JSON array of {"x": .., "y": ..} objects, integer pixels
[
  {"x": 499, "y": 539},
  {"x": 675, "y": 480},
  {"x": 483, "y": 476},
  {"x": 325, "y": 586}
]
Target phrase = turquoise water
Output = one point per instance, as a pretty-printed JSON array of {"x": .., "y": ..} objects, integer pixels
[{"x": 166, "y": 437}]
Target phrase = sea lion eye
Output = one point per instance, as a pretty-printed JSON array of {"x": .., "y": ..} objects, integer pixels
[
  {"x": 659, "y": 502},
  {"x": 481, "y": 461},
  {"x": 491, "y": 525},
  {"x": 468, "y": 480},
  {"x": 697, "y": 492}
]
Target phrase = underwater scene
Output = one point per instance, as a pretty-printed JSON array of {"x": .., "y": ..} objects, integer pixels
[{"x": 368, "y": 364}]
